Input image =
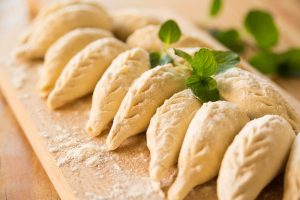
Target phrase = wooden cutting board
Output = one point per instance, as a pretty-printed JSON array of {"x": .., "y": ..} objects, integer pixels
[{"x": 72, "y": 159}]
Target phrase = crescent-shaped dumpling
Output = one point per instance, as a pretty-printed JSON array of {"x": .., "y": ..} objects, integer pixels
[
  {"x": 113, "y": 86},
  {"x": 292, "y": 173},
  {"x": 255, "y": 96},
  {"x": 126, "y": 22},
  {"x": 62, "y": 51},
  {"x": 209, "y": 134},
  {"x": 58, "y": 24},
  {"x": 83, "y": 71},
  {"x": 147, "y": 38},
  {"x": 254, "y": 158},
  {"x": 167, "y": 129},
  {"x": 53, "y": 8},
  {"x": 143, "y": 98}
]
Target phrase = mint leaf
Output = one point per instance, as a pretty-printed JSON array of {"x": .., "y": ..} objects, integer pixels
[
  {"x": 265, "y": 62},
  {"x": 230, "y": 38},
  {"x": 225, "y": 60},
  {"x": 183, "y": 55},
  {"x": 169, "y": 32},
  {"x": 204, "y": 63},
  {"x": 154, "y": 59},
  {"x": 204, "y": 88},
  {"x": 215, "y": 7},
  {"x": 165, "y": 59},
  {"x": 261, "y": 26},
  {"x": 290, "y": 63},
  {"x": 284, "y": 64}
]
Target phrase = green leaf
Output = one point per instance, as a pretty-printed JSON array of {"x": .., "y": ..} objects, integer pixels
[
  {"x": 169, "y": 32},
  {"x": 265, "y": 62},
  {"x": 215, "y": 7},
  {"x": 290, "y": 63},
  {"x": 230, "y": 38},
  {"x": 226, "y": 60},
  {"x": 204, "y": 63},
  {"x": 154, "y": 59},
  {"x": 261, "y": 26},
  {"x": 183, "y": 55},
  {"x": 204, "y": 88},
  {"x": 165, "y": 59}
]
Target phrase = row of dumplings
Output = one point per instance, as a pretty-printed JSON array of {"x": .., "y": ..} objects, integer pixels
[{"x": 76, "y": 39}]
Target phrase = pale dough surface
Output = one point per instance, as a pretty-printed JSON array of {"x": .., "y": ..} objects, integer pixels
[
  {"x": 147, "y": 38},
  {"x": 113, "y": 86},
  {"x": 208, "y": 136},
  {"x": 254, "y": 158},
  {"x": 255, "y": 96},
  {"x": 51, "y": 9},
  {"x": 292, "y": 173},
  {"x": 126, "y": 22},
  {"x": 58, "y": 24},
  {"x": 146, "y": 94},
  {"x": 167, "y": 129},
  {"x": 62, "y": 51},
  {"x": 83, "y": 71}
]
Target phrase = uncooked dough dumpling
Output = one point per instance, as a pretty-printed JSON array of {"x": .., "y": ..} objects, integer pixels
[
  {"x": 83, "y": 71},
  {"x": 167, "y": 129},
  {"x": 113, "y": 86},
  {"x": 255, "y": 96},
  {"x": 147, "y": 38},
  {"x": 254, "y": 158},
  {"x": 62, "y": 51},
  {"x": 58, "y": 24},
  {"x": 126, "y": 22},
  {"x": 52, "y": 9},
  {"x": 209, "y": 134},
  {"x": 146, "y": 94},
  {"x": 292, "y": 173}
]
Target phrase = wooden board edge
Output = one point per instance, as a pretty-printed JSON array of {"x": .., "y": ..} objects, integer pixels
[{"x": 32, "y": 134}]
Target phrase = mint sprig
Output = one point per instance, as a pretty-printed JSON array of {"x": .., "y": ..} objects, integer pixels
[
  {"x": 204, "y": 65},
  {"x": 230, "y": 38},
  {"x": 205, "y": 88},
  {"x": 261, "y": 26},
  {"x": 169, "y": 33},
  {"x": 215, "y": 7},
  {"x": 285, "y": 64},
  {"x": 226, "y": 60}
]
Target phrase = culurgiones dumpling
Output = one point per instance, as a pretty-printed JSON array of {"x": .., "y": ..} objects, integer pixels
[
  {"x": 209, "y": 134},
  {"x": 58, "y": 24},
  {"x": 254, "y": 95},
  {"x": 113, "y": 86},
  {"x": 145, "y": 95},
  {"x": 62, "y": 51},
  {"x": 83, "y": 71},
  {"x": 126, "y": 22},
  {"x": 147, "y": 38},
  {"x": 167, "y": 129},
  {"x": 255, "y": 157},
  {"x": 51, "y": 9},
  {"x": 292, "y": 173}
]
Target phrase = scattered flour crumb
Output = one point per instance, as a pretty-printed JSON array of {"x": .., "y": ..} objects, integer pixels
[
  {"x": 132, "y": 188},
  {"x": 19, "y": 78},
  {"x": 24, "y": 96},
  {"x": 116, "y": 167}
]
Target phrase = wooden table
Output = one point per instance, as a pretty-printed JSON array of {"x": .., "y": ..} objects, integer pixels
[{"x": 21, "y": 175}]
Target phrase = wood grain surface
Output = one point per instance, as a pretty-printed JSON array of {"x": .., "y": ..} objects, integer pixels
[
  {"x": 28, "y": 179},
  {"x": 21, "y": 174}
]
